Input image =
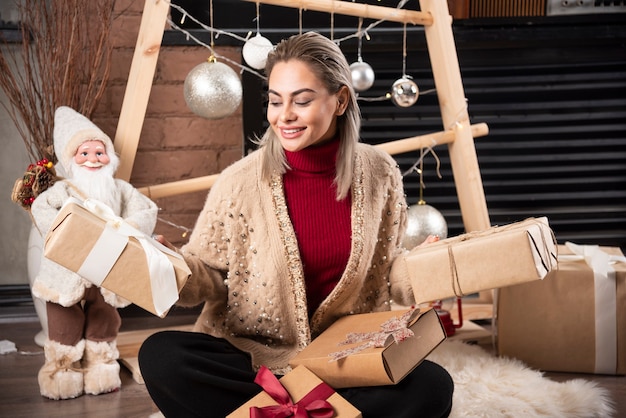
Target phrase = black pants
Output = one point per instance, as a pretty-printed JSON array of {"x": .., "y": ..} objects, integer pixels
[{"x": 197, "y": 375}]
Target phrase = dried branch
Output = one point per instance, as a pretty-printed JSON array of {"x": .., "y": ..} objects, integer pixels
[{"x": 64, "y": 60}]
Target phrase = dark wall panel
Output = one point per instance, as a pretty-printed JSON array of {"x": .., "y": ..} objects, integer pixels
[{"x": 553, "y": 92}]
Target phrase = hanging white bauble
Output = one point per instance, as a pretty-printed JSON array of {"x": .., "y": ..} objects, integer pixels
[
  {"x": 213, "y": 90},
  {"x": 423, "y": 220},
  {"x": 362, "y": 75},
  {"x": 404, "y": 92},
  {"x": 255, "y": 51}
]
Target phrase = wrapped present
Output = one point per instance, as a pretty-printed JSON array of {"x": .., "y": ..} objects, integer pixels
[
  {"x": 483, "y": 260},
  {"x": 575, "y": 320},
  {"x": 300, "y": 393},
  {"x": 372, "y": 349},
  {"x": 116, "y": 255}
]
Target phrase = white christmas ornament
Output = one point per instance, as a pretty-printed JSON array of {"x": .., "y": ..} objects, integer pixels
[
  {"x": 255, "y": 51},
  {"x": 213, "y": 90},
  {"x": 362, "y": 75},
  {"x": 423, "y": 220},
  {"x": 404, "y": 92}
]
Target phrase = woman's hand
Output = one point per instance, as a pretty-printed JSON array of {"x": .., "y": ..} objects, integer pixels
[
  {"x": 429, "y": 240},
  {"x": 161, "y": 240}
]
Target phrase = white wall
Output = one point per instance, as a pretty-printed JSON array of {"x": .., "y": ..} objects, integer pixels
[{"x": 15, "y": 222}]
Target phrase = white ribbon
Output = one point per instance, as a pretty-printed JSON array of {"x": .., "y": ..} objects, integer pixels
[
  {"x": 605, "y": 302},
  {"x": 112, "y": 242}
]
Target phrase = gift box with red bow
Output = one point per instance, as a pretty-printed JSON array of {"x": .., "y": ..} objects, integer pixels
[
  {"x": 298, "y": 394},
  {"x": 372, "y": 349}
]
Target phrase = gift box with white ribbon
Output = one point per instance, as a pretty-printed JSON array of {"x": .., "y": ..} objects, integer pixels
[
  {"x": 116, "y": 256},
  {"x": 574, "y": 320}
]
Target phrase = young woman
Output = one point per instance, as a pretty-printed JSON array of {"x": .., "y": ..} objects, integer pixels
[{"x": 292, "y": 237}]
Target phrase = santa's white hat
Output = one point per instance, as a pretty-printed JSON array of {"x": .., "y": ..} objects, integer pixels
[{"x": 72, "y": 129}]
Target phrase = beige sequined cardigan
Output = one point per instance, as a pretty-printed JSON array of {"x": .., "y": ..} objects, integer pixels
[{"x": 245, "y": 262}]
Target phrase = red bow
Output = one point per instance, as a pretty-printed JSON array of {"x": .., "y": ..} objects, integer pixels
[{"x": 313, "y": 405}]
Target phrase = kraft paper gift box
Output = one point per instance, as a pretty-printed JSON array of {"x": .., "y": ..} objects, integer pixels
[
  {"x": 299, "y": 383},
  {"x": 574, "y": 320},
  {"x": 116, "y": 256},
  {"x": 483, "y": 260},
  {"x": 371, "y": 355}
]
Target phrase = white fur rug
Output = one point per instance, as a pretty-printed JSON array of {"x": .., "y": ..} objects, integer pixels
[{"x": 489, "y": 386}]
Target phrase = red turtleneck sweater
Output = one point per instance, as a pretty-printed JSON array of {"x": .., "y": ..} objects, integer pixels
[{"x": 322, "y": 224}]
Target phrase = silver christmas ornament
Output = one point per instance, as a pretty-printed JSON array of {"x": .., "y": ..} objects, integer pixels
[
  {"x": 213, "y": 90},
  {"x": 404, "y": 92},
  {"x": 255, "y": 51},
  {"x": 362, "y": 75},
  {"x": 423, "y": 220}
]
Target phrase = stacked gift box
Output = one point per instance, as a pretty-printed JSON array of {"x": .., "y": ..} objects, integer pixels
[{"x": 574, "y": 320}]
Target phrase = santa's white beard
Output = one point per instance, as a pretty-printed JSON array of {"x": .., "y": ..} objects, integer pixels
[{"x": 99, "y": 185}]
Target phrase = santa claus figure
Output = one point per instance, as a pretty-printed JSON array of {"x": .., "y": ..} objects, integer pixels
[{"x": 83, "y": 320}]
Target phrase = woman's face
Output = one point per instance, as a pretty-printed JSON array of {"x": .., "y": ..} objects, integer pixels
[{"x": 301, "y": 111}]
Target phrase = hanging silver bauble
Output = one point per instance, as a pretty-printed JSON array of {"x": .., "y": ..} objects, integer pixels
[
  {"x": 423, "y": 220},
  {"x": 255, "y": 51},
  {"x": 213, "y": 90},
  {"x": 362, "y": 75},
  {"x": 404, "y": 92}
]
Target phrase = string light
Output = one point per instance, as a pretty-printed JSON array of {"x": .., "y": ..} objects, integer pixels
[
  {"x": 218, "y": 32},
  {"x": 185, "y": 230},
  {"x": 461, "y": 116},
  {"x": 419, "y": 162},
  {"x": 215, "y": 33}
]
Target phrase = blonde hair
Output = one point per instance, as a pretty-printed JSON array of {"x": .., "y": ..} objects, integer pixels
[{"x": 328, "y": 63}]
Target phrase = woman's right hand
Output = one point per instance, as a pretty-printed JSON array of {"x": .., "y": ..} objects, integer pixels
[{"x": 161, "y": 240}]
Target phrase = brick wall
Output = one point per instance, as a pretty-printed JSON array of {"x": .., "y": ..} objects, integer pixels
[{"x": 175, "y": 144}]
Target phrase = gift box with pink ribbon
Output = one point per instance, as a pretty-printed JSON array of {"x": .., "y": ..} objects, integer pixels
[
  {"x": 299, "y": 394},
  {"x": 575, "y": 320},
  {"x": 372, "y": 349},
  {"x": 116, "y": 255},
  {"x": 482, "y": 260}
]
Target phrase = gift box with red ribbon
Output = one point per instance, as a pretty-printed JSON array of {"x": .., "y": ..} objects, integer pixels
[
  {"x": 298, "y": 394},
  {"x": 372, "y": 349}
]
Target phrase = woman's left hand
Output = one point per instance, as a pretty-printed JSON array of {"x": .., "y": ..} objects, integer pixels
[{"x": 429, "y": 240}]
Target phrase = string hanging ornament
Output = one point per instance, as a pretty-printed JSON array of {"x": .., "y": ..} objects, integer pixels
[
  {"x": 404, "y": 91},
  {"x": 212, "y": 89},
  {"x": 257, "y": 48},
  {"x": 423, "y": 220},
  {"x": 332, "y": 20},
  {"x": 362, "y": 73}
]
